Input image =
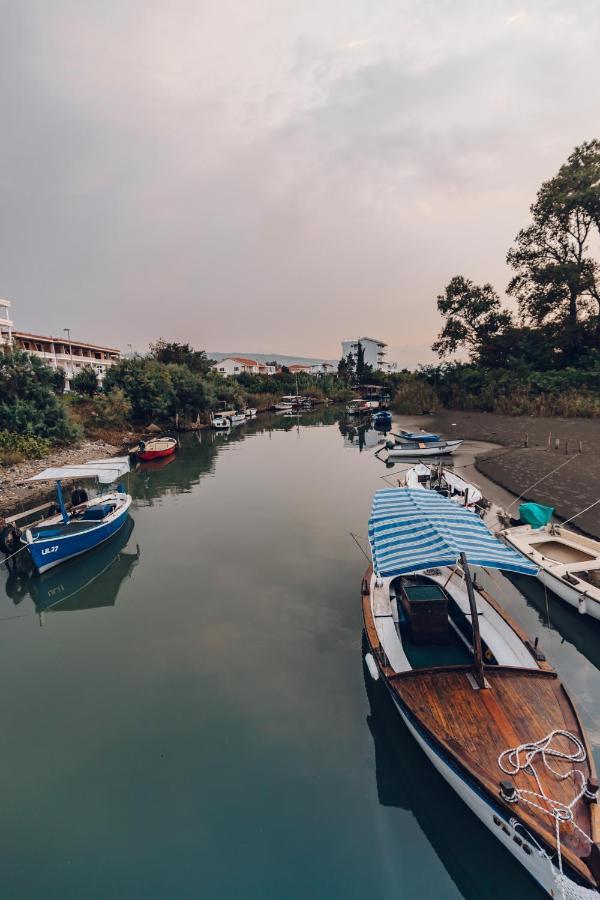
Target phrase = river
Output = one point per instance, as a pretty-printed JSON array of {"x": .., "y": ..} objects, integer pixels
[{"x": 185, "y": 712}]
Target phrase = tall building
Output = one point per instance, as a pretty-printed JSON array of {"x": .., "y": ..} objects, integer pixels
[
  {"x": 373, "y": 349},
  {"x": 59, "y": 353},
  {"x": 6, "y": 324}
]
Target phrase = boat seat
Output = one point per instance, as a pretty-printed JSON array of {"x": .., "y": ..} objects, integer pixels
[{"x": 97, "y": 512}]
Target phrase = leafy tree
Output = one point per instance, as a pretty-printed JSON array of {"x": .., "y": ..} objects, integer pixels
[
  {"x": 85, "y": 382},
  {"x": 59, "y": 380},
  {"x": 182, "y": 354},
  {"x": 347, "y": 369},
  {"x": 28, "y": 403},
  {"x": 473, "y": 317},
  {"x": 147, "y": 385}
]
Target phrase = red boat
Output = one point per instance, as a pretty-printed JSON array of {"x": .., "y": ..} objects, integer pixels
[{"x": 156, "y": 448}]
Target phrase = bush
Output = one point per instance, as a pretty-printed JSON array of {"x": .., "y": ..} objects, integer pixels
[
  {"x": 15, "y": 447},
  {"x": 85, "y": 382},
  {"x": 28, "y": 403}
]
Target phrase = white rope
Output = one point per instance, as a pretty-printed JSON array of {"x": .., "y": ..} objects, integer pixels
[
  {"x": 6, "y": 558},
  {"x": 522, "y": 758}
]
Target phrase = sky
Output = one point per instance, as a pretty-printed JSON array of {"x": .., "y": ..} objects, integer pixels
[{"x": 276, "y": 175}]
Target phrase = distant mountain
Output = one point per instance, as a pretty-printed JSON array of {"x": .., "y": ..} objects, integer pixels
[{"x": 268, "y": 357}]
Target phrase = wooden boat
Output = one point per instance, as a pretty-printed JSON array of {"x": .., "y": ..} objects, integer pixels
[
  {"x": 569, "y": 563},
  {"x": 156, "y": 448},
  {"x": 475, "y": 693},
  {"x": 89, "y": 522},
  {"x": 447, "y": 483},
  {"x": 418, "y": 449}
]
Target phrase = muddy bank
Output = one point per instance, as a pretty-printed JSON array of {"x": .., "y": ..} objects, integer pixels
[
  {"x": 575, "y": 479},
  {"x": 16, "y": 497}
]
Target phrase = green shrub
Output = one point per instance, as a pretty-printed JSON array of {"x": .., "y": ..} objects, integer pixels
[
  {"x": 14, "y": 447},
  {"x": 85, "y": 382}
]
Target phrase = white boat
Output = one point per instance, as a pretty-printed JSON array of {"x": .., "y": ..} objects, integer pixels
[
  {"x": 222, "y": 423},
  {"x": 251, "y": 412},
  {"x": 569, "y": 563},
  {"x": 287, "y": 403},
  {"x": 476, "y": 694},
  {"x": 446, "y": 482},
  {"x": 360, "y": 407},
  {"x": 418, "y": 449},
  {"x": 237, "y": 419}
]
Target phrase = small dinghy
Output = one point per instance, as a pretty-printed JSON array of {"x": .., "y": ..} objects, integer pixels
[
  {"x": 88, "y": 523},
  {"x": 417, "y": 449},
  {"x": 424, "y": 436},
  {"x": 476, "y": 694},
  {"x": 155, "y": 448},
  {"x": 568, "y": 563}
]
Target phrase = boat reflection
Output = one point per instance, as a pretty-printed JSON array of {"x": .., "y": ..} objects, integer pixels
[
  {"x": 362, "y": 437},
  {"x": 87, "y": 582},
  {"x": 583, "y": 632},
  {"x": 475, "y": 861}
]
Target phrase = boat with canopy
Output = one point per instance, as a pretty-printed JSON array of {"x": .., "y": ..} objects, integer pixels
[
  {"x": 87, "y": 523},
  {"x": 476, "y": 694}
]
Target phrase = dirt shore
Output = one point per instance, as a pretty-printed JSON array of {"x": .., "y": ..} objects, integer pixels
[
  {"x": 529, "y": 453},
  {"x": 16, "y": 497}
]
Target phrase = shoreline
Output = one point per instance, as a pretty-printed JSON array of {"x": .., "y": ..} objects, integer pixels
[
  {"x": 16, "y": 497},
  {"x": 560, "y": 477}
]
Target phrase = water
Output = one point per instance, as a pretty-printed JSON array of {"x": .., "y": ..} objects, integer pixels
[{"x": 192, "y": 719}]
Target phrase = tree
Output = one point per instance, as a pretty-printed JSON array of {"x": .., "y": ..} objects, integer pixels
[
  {"x": 556, "y": 279},
  {"x": 28, "y": 402},
  {"x": 85, "y": 382},
  {"x": 147, "y": 385},
  {"x": 347, "y": 369},
  {"x": 182, "y": 354},
  {"x": 473, "y": 318}
]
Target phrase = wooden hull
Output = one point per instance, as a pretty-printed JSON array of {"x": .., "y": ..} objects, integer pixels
[
  {"x": 463, "y": 730},
  {"x": 149, "y": 455}
]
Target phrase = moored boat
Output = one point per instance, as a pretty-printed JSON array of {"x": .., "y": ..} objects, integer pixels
[
  {"x": 155, "y": 448},
  {"x": 88, "y": 523},
  {"x": 475, "y": 692},
  {"x": 221, "y": 423},
  {"x": 382, "y": 419},
  {"x": 426, "y": 437},
  {"x": 418, "y": 449},
  {"x": 237, "y": 419},
  {"x": 446, "y": 482},
  {"x": 568, "y": 563}
]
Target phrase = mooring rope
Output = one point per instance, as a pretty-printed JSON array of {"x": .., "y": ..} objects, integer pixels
[
  {"x": 6, "y": 558},
  {"x": 521, "y": 759}
]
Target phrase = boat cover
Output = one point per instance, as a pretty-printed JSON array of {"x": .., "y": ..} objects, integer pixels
[
  {"x": 419, "y": 435},
  {"x": 535, "y": 514},
  {"x": 411, "y": 530},
  {"x": 105, "y": 470}
]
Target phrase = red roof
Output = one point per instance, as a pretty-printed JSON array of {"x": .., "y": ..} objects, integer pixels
[
  {"x": 298, "y": 368},
  {"x": 60, "y": 340},
  {"x": 243, "y": 360}
]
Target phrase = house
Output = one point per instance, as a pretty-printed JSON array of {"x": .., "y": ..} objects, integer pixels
[
  {"x": 297, "y": 369},
  {"x": 67, "y": 354},
  {"x": 323, "y": 368},
  {"x": 373, "y": 349},
  {"x": 236, "y": 365}
]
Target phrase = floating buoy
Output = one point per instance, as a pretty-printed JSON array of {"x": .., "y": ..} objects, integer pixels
[{"x": 372, "y": 666}]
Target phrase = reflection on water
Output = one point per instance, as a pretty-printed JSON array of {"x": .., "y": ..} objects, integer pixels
[
  {"x": 87, "y": 582},
  {"x": 210, "y": 735}
]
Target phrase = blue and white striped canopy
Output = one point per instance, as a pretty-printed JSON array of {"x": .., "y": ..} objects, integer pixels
[{"x": 414, "y": 529}]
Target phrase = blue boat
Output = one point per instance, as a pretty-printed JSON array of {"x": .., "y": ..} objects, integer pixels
[
  {"x": 88, "y": 524},
  {"x": 425, "y": 437}
]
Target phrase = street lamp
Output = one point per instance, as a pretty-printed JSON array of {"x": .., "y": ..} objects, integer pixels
[{"x": 68, "y": 330}]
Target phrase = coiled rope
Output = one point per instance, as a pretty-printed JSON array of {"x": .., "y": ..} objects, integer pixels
[{"x": 522, "y": 759}]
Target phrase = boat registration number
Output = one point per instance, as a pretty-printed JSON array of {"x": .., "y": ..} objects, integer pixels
[{"x": 47, "y": 550}]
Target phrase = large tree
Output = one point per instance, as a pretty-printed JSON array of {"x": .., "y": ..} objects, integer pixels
[
  {"x": 556, "y": 278},
  {"x": 473, "y": 318},
  {"x": 182, "y": 354}
]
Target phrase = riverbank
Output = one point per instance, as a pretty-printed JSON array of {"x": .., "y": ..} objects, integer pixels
[
  {"x": 571, "y": 480},
  {"x": 16, "y": 496}
]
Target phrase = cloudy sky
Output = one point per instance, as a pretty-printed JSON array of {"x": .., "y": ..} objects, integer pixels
[{"x": 275, "y": 175}]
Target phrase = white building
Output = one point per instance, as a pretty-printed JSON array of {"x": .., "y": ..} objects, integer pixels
[
  {"x": 236, "y": 365},
  {"x": 6, "y": 323},
  {"x": 374, "y": 351},
  {"x": 67, "y": 354},
  {"x": 323, "y": 368}
]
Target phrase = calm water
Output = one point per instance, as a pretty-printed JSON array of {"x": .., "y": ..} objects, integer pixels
[{"x": 192, "y": 717}]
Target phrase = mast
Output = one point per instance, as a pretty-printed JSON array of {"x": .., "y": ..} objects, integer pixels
[{"x": 478, "y": 655}]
